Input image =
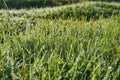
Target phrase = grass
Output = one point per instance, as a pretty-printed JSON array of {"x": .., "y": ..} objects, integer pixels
[
  {"x": 87, "y": 10},
  {"x": 33, "y": 48}
]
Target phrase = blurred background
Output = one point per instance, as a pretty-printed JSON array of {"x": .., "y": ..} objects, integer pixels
[{"x": 18, "y": 4}]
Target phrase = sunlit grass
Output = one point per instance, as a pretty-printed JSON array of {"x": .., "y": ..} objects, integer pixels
[{"x": 33, "y": 48}]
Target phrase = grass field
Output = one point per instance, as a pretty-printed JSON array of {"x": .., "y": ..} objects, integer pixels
[{"x": 42, "y": 44}]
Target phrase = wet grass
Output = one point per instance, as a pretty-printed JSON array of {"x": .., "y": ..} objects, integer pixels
[{"x": 33, "y": 48}]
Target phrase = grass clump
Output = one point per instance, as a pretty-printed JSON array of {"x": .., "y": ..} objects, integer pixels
[{"x": 59, "y": 49}]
